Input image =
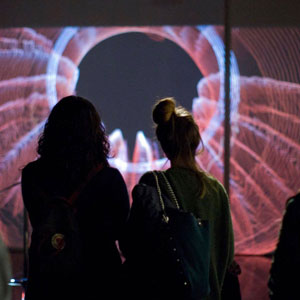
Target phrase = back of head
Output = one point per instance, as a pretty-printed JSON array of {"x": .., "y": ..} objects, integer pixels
[
  {"x": 179, "y": 137},
  {"x": 177, "y": 132},
  {"x": 74, "y": 137}
]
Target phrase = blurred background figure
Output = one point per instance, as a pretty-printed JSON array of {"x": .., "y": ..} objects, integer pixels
[
  {"x": 5, "y": 272},
  {"x": 284, "y": 273}
]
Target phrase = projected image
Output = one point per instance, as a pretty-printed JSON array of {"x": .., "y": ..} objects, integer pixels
[{"x": 40, "y": 66}]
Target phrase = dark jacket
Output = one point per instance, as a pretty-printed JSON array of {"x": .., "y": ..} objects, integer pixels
[
  {"x": 103, "y": 208},
  {"x": 284, "y": 273},
  {"x": 139, "y": 240}
]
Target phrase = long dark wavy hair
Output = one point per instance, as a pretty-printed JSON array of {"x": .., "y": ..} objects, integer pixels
[{"x": 74, "y": 139}]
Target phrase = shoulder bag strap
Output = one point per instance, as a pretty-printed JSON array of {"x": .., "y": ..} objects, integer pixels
[
  {"x": 171, "y": 193},
  {"x": 170, "y": 190},
  {"x": 161, "y": 201}
]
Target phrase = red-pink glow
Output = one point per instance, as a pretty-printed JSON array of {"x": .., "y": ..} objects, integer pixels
[{"x": 39, "y": 66}]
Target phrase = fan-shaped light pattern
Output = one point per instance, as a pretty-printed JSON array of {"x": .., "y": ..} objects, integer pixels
[
  {"x": 254, "y": 277},
  {"x": 266, "y": 150},
  {"x": 25, "y": 55},
  {"x": 41, "y": 66}
]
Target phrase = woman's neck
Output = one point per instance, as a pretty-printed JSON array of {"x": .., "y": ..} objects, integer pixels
[
  {"x": 184, "y": 164},
  {"x": 179, "y": 164}
]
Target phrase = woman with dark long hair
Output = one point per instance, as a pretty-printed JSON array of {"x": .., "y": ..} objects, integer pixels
[
  {"x": 196, "y": 191},
  {"x": 73, "y": 144}
]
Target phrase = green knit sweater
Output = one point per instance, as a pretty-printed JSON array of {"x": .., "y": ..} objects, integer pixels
[{"x": 214, "y": 206}]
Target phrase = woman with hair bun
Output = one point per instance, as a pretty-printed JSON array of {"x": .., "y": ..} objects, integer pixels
[{"x": 196, "y": 191}]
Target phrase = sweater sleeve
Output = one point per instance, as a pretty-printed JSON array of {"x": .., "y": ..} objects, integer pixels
[
  {"x": 226, "y": 236},
  {"x": 119, "y": 203},
  {"x": 143, "y": 213},
  {"x": 105, "y": 205},
  {"x": 230, "y": 234},
  {"x": 133, "y": 229},
  {"x": 33, "y": 200}
]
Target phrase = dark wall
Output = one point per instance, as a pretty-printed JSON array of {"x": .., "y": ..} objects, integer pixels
[{"x": 34, "y": 13}]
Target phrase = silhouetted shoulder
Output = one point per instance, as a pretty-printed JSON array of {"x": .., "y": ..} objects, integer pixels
[
  {"x": 31, "y": 166},
  {"x": 293, "y": 202},
  {"x": 111, "y": 173},
  {"x": 31, "y": 170},
  {"x": 215, "y": 188},
  {"x": 148, "y": 178},
  {"x": 292, "y": 211}
]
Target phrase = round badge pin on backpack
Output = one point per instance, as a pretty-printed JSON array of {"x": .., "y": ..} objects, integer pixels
[{"x": 58, "y": 241}]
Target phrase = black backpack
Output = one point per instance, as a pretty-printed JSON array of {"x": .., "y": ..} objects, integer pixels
[{"x": 56, "y": 245}]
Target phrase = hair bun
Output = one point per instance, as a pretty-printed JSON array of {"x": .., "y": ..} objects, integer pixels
[{"x": 163, "y": 110}]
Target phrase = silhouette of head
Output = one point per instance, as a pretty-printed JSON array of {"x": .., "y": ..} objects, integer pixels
[
  {"x": 74, "y": 134},
  {"x": 177, "y": 132}
]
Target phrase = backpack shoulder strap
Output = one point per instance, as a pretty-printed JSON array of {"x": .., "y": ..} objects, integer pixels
[{"x": 91, "y": 174}]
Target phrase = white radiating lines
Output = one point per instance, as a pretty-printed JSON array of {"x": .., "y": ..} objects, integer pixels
[
  {"x": 143, "y": 158},
  {"x": 52, "y": 67}
]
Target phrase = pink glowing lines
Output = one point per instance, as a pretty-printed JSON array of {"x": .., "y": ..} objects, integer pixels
[{"x": 40, "y": 66}]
